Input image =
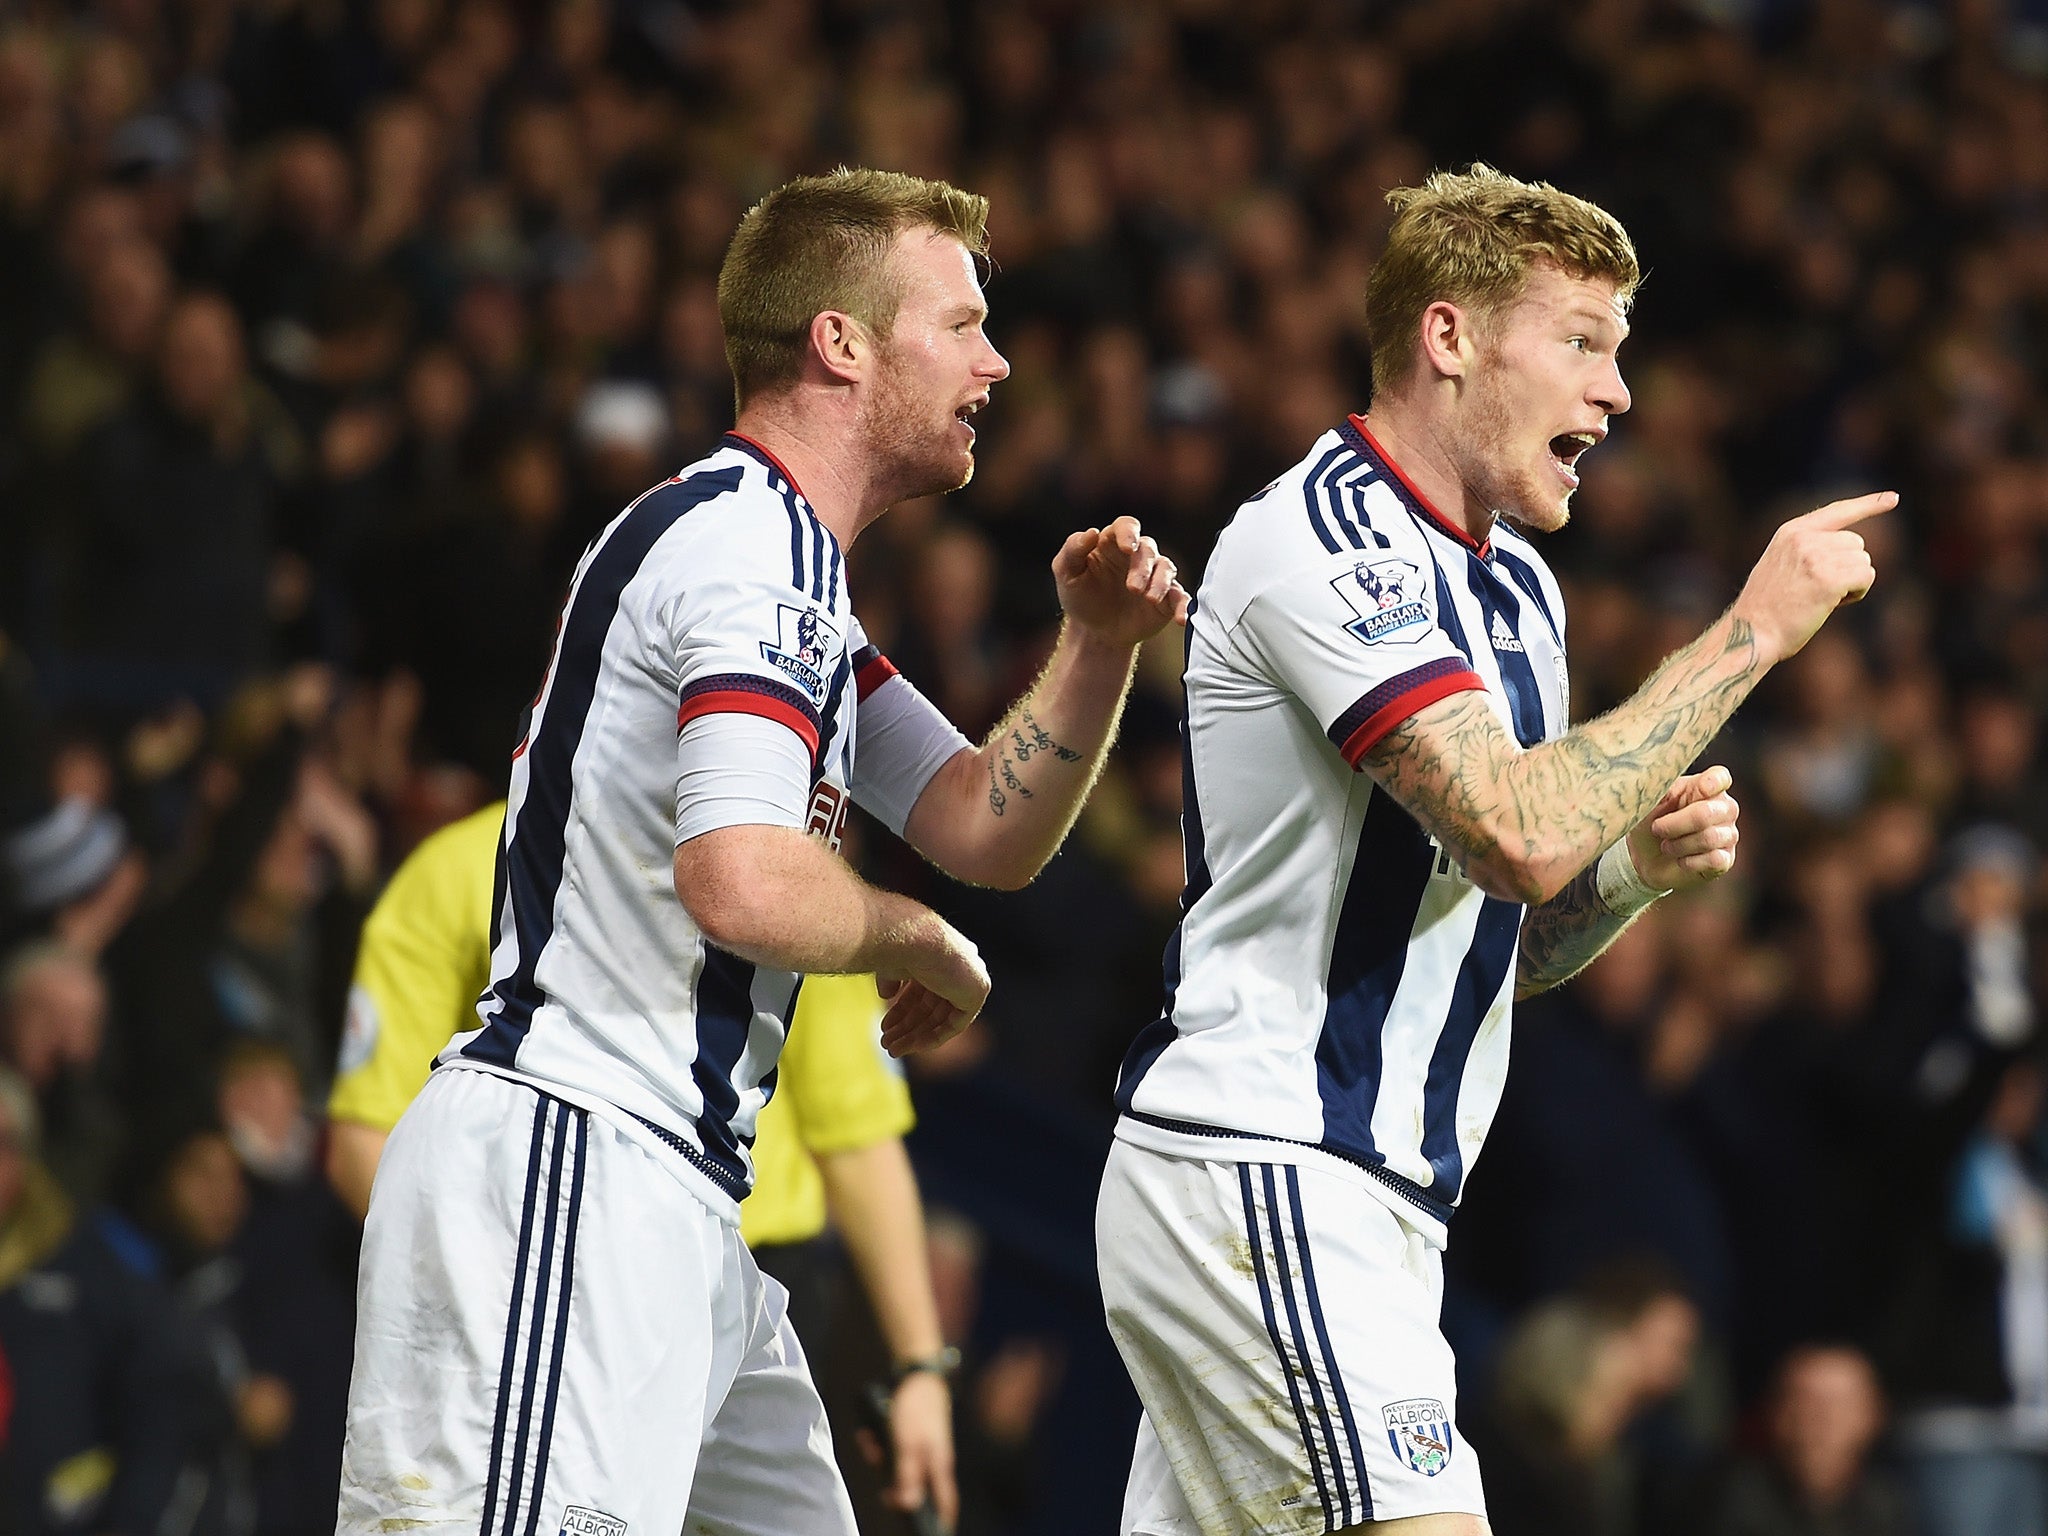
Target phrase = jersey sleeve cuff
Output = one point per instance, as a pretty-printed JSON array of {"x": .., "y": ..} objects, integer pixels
[
  {"x": 1360, "y": 728},
  {"x": 871, "y": 669},
  {"x": 744, "y": 693}
]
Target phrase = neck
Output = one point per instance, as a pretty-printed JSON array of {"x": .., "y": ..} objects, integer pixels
[
  {"x": 819, "y": 453},
  {"x": 1415, "y": 440}
]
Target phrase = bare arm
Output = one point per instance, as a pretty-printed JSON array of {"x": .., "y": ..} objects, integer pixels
[
  {"x": 1687, "y": 840},
  {"x": 353, "y": 1151},
  {"x": 993, "y": 816},
  {"x": 872, "y": 1195},
  {"x": 1523, "y": 823},
  {"x": 781, "y": 898}
]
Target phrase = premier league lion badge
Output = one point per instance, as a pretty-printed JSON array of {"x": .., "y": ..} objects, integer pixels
[
  {"x": 1420, "y": 1431},
  {"x": 1390, "y": 598},
  {"x": 805, "y": 650}
]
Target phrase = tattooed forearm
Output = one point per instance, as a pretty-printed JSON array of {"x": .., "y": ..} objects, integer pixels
[
  {"x": 1524, "y": 822},
  {"x": 1039, "y": 739},
  {"x": 1565, "y": 935}
]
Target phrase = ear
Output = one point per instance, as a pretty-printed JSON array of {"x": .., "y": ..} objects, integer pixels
[
  {"x": 840, "y": 345},
  {"x": 1447, "y": 341}
]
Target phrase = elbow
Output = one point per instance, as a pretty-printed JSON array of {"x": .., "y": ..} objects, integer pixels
[
  {"x": 725, "y": 917},
  {"x": 1529, "y": 876},
  {"x": 1011, "y": 874}
]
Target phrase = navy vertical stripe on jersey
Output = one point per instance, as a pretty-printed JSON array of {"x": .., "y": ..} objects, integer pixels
[
  {"x": 1447, "y": 615},
  {"x": 1503, "y": 613},
  {"x": 1312, "y": 494},
  {"x": 1255, "y": 1238},
  {"x": 1494, "y": 942},
  {"x": 1388, "y": 876},
  {"x": 1155, "y": 1037},
  {"x": 835, "y": 695},
  {"x": 725, "y": 1014},
  {"x": 1336, "y": 493},
  {"x": 535, "y": 836},
  {"x": 1526, "y": 578}
]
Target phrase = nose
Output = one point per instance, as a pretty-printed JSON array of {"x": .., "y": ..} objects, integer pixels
[
  {"x": 1609, "y": 393},
  {"x": 995, "y": 367}
]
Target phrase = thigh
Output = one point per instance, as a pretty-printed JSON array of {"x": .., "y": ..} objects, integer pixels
[
  {"x": 545, "y": 1319},
  {"x": 767, "y": 1467},
  {"x": 1278, "y": 1413}
]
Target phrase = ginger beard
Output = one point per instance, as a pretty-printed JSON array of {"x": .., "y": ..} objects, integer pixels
[
  {"x": 913, "y": 435},
  {"x": 1501, "y": 455}
]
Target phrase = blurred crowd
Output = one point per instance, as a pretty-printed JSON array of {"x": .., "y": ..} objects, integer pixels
[{"x": 332, "y": 330}]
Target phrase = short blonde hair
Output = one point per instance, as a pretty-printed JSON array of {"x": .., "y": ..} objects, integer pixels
[
  {"x": 819, "y": 243},
  {"x": 1471, "y": 238}
]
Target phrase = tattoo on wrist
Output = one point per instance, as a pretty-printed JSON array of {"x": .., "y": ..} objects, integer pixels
[{"x": 1565, "y": 935}]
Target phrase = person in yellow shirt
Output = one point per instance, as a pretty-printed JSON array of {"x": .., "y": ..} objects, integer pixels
[{"x": 829, "y": 1142}]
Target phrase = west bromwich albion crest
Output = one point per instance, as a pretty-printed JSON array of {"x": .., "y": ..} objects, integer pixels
[
  {"x": 1420, "y": 1431},
  {"x": 1390, "y": 597},
  {"x": 807, "y": 645}
]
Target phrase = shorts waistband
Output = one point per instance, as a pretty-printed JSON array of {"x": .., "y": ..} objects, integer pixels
[{"x": 1406, "y": 1188}]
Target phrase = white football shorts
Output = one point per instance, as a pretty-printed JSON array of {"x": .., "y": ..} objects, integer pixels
[
  {"x": 1281, "y": 1325},
  {"x": 554, "y": 1335}
]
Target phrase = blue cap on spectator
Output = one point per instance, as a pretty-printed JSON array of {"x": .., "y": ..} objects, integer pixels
[
  {"x": 63, "y": 855},
  {"x": 1994, "y": 847}
]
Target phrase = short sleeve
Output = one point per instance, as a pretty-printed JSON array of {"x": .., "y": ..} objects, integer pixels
[
  {"x": 756, "y": 661},
  {"x": 1360, "y": 642},
  {"x": 902, "y": 739}
]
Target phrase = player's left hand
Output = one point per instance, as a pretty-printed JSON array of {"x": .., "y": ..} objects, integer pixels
[
  {"x": 921, "y": 1443},
  {"x": 1691, "y": 836},
  {"x": 1115, "y": 582}
]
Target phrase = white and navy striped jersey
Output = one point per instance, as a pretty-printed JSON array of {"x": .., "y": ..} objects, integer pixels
[
  {"x": 1338, "y": 992},
  {"x": 707, "y": 672}
]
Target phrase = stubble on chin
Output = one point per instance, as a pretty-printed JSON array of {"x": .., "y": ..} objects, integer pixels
[{"x": 908, "y": 455}]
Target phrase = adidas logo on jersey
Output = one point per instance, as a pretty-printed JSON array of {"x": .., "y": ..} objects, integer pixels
[{"x": 1504, "y": 638}]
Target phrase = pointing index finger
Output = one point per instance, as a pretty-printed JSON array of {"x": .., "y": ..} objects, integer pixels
[{"x": 1852, "y": 510}]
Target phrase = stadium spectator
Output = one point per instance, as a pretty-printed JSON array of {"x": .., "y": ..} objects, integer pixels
[
  {"x": 53, "y": 1020},
  {"x": 442, "y": 228},
  {"x": 1815, "y": 1478},
  {"x": 93, "y": 1340}
]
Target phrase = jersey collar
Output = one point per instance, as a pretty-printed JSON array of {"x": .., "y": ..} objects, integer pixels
[
  {"x": 1359, "y": 435},
  {"x": 747, "y": 445}
]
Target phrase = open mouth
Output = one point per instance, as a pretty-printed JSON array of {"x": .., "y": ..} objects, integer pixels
[
  {"x": 1565, "y": 449},
  {"x": 967, "y": 409}
]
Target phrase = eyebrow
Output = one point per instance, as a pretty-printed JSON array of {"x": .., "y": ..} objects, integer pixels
[{"x": 1581, "y": 313}]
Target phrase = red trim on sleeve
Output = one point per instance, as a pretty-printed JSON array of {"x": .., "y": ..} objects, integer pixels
[
  {"x": 1401, "y": 706},
  {"x": 734, "y": 701},
  {"x": 872, "y": 673}
]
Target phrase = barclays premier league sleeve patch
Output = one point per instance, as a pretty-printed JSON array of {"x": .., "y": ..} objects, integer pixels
[
  {"x": 804, "y": 649},
  {"x": 1391, "y": 597}
]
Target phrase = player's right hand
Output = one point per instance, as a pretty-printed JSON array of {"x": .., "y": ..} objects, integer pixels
[
  {"x": 1814, "y": 564},
  {"x": 940, "y": 994}
]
